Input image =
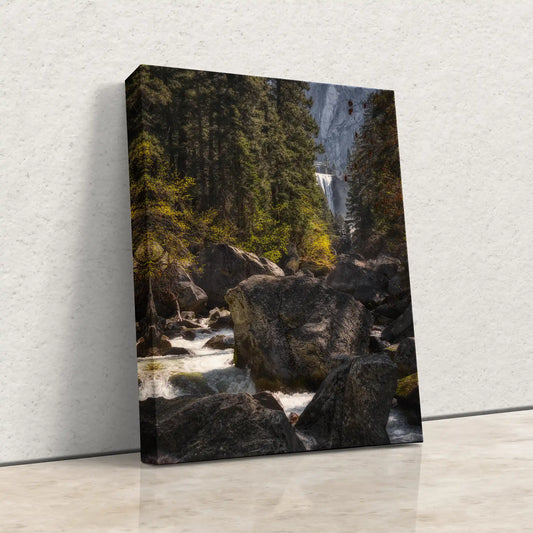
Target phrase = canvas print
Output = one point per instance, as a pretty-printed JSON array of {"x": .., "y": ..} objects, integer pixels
[{"x": 272, "y": 298}]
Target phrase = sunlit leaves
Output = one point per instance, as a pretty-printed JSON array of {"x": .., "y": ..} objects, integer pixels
[{"x": 222, "y": 158}]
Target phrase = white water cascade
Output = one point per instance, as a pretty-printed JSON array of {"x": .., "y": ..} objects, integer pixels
[
  {"x": 221, "y": 375},
  {"x": 326, "y": 184},
  {"x": 216, "y": 366}
]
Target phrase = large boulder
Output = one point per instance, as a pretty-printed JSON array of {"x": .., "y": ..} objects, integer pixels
[
  {"x": 392, "y": 308},
  {"x": 289, "y": 330},
  {"x": 370, "y": 281},
  {"x": 395, "y": 272},
  {"x": 351, "y": 408},
  {"x": 386, "y": 265},
  {"x": 220, "y": 342},
  {"x": 219, "y": 319},
  {"x": 405, "y": 357},
  {"x": 179, "y": 350},
  {"x": 221, "y": 267},
  {"x": 175, "y": 327},
  {"x": 190, "y": 383},
  {"x": 365, "y": 284},
  {"x": 317, "y": 269},
  {"x": 190, "y": 296},
  {"x": 400, "y": 328},
  {"x": 267, "y": 399},
  {"x": 153, "y": 344},
  {"x": 219, "y": 426}
]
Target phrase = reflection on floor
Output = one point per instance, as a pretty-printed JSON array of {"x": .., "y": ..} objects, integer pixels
[{"x": 471, "y": 474}]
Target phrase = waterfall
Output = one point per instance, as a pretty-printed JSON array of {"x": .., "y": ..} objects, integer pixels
[{"x": 326, "y": 184}]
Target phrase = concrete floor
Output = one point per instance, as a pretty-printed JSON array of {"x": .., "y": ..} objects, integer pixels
[{"x": 471, "y": 474}]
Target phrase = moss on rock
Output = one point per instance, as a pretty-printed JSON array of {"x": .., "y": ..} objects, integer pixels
[
  {"x": 407, "y": 390},
  {"x": 189, "y": 383}
]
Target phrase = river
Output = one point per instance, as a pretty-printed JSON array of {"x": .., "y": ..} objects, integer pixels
[{"x": 220, "y": 374}]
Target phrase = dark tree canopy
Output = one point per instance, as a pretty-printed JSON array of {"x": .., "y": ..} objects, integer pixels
[
  {"x": 222, "y": 158},
  {"x": 375, "y": 204}
]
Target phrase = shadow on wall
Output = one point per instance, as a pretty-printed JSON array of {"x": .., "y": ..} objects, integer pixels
[{"x": 100, "y": 386}]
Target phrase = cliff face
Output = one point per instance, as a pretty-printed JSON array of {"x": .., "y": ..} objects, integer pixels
[
  {"x": 338, "y": 111},
  {"x": 331, "y": 110}
]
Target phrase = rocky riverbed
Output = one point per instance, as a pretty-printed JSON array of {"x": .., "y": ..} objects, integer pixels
[
  {"x": 297, "y": 362},
  {"x": 208, "y": 371},
  {"x": 204, "y": 370}
]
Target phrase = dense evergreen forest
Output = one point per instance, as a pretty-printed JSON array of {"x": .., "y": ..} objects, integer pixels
[
  {"x": 218, "y": 158},
  {"x": 375, "y": 204},
  {"x": 222, "y": 158},
  {"x": 264, "y": 324}
]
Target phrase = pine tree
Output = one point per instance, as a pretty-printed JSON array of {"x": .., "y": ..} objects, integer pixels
[
  {"x": 303, "y": 204},
  {"x": 237, "y": 150},
  {"x": 375, "y": 204}
]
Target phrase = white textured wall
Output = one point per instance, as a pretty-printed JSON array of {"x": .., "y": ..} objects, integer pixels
[{"x": 463, "y": 77}]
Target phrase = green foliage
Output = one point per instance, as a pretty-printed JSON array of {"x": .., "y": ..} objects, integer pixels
[
  {"x": 222, "y": 158},
  {"x": 146, "y": 98},
  {"x": 192, "y": 376},
  {"x": 164, "y": 224},
  {"x": 268, "y": 237},
  {"x": 375, "y": 204},
  {"x": 152, "y": 366},
  {"x": 158, "y": 207},
  {"x": 406, "y": 386},
  {"x": 316, "y": 245},
  {"x": 210, "y": 228}
]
